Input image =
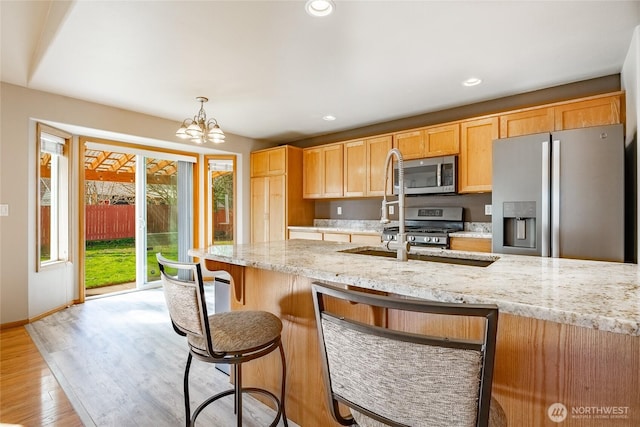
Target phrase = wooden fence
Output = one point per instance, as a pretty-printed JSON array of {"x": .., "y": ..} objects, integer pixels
[{"x": 109, "y": 222}]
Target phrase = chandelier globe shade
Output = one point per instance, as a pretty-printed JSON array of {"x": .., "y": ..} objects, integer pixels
[{"x": 200, "y": 130}]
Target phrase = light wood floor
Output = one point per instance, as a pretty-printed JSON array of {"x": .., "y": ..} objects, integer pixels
[
  {"x": 29, "y": 393},
  {"x": 121, "y": 364}
]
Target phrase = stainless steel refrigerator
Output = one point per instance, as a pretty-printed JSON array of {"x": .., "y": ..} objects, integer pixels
[{"x": 560, "y": 194}]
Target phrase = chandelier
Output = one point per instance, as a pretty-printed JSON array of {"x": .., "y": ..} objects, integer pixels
[{"x": 199, "y": 129}]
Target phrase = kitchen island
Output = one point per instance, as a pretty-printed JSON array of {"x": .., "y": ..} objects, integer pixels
[{"x": 569, "y": 330}]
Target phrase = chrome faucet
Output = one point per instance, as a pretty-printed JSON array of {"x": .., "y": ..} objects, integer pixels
[{"x": 403, "y": 246}]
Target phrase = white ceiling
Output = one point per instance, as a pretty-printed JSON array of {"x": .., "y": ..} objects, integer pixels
[{"x": 271, "y": 71}]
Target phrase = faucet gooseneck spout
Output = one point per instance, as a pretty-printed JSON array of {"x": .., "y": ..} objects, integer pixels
[{"x": 403, "y": 247}]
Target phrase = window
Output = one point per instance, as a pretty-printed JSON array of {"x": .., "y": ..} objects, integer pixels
[{"x": 53, "y": 147}]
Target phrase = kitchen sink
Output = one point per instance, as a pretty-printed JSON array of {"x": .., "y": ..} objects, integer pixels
[{"x": 478, "y": 261}]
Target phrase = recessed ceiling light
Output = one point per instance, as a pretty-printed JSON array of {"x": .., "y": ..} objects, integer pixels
[
  {"x": 473, "y": 81},
  {"x": 329, "y": 118},
  {"x": 319, "y": 7}
]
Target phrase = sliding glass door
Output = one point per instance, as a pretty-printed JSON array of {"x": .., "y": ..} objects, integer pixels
[{"x": 145, "y": 201}]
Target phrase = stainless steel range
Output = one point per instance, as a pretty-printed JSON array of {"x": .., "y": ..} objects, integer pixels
[{"x": 427, "y": 226}]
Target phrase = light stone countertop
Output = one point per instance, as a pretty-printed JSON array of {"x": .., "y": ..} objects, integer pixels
[{"x": 590, "y": 294}]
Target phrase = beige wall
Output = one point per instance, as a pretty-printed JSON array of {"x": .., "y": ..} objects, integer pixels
[{"x": 25, "y": 293}]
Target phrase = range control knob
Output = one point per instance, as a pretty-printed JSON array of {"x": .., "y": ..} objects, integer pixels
[
  {"x": 412, "y": 238},
  {"x": 427, "y": 239},
  {"x": 436, "y": 239}
]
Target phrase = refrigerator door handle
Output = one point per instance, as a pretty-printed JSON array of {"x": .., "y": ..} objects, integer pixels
[
  {"x": 555, "y": 199},
  {"x": 546, "y": 197}
]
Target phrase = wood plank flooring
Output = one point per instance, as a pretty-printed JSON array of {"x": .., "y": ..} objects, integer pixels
[
  {"x": 120, "y": 364},
  {"x": 29, "y": 393}
]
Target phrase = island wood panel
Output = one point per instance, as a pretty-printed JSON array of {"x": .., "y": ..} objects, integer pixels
[
  {"x": 539, "y": 363},
  {"x": 527, "y": 122},
  {"x": 289, "y": 297},
  {"x": 470, "y": 244}
]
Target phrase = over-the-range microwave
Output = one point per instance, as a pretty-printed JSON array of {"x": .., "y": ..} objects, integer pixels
[{"x": 433, "y": 175}]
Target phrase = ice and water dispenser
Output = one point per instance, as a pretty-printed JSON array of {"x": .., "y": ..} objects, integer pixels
[{"x": 519, "y": 224}]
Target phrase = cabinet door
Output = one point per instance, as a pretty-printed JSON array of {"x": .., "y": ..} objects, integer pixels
[
  {"x": 312, "y": 173},
  {"x": 475, "y": 155},
  {"x": 355, "y": 168},
  {"x": 259, "y": 163},
  {"x": 277, "y": 161},
  {"x": 269, "y": 162},
  {"x": 377, "y": 150},
  {"x": 442, "y": 140},
  {"x": 410, "y": 144},
  {"x": 593, "y": 112},
  {"x": 259, "y": 209},
  {"x": 526, "y": 122},
  {"x": 332, "y": 162},
  {"x": 277, "y": 208}
]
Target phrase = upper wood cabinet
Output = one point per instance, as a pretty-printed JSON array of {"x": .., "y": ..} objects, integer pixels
[
  {"x": 592, "y": 112},
  {"x": 377, "y": 149},
  {"x": 527, "y": 122},
  {"x": 596, "y": 111},
  {"x": 276, "y": 198},
  {"x": 410, "y": 144},
  {"x": 428, "y": 142},
  {"x": 323, "y": 171},
  {"x": 475, "y": 159},
  {"x": 268, "y": 162},
  {"x": 442, "y": 140},
  {"x": 355, "y": 168}
]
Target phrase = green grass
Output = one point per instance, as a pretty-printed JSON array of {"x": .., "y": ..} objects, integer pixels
[{"x": 113, "y": 262}]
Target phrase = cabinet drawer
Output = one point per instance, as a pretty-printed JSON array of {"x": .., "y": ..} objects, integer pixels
[
  {"x": 307, "y": 235},
  {"x": 337, "y": 237}
]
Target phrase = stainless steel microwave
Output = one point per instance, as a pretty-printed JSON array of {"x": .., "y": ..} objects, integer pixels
[{"x": 433, "y": 175}]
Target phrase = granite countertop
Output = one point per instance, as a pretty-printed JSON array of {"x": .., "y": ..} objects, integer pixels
[{"x": 590, "y": 294}]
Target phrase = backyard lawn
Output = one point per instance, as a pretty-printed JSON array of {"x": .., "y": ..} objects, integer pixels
[{"x": 113, "y": 262}]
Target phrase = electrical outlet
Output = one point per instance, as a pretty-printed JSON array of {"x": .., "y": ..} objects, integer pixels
[
  {"x": 339, "y": 210},
  {"x": 487, "y": 209},
  {"x": 4, "y": 210},
  {"x": 392, "y": 209}
]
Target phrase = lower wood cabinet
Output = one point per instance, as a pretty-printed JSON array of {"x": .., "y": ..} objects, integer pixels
[
  {"x": 364, "y": 239},
  {"x": 470, "y": 244},
  {"x": 268, "y": 208}
]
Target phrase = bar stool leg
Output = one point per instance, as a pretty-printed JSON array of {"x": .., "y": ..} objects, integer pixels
[{"x": 238, "y": 393}]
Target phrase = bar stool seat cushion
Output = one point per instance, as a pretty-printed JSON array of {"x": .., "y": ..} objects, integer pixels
[{"x": 238, "y": 332}]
